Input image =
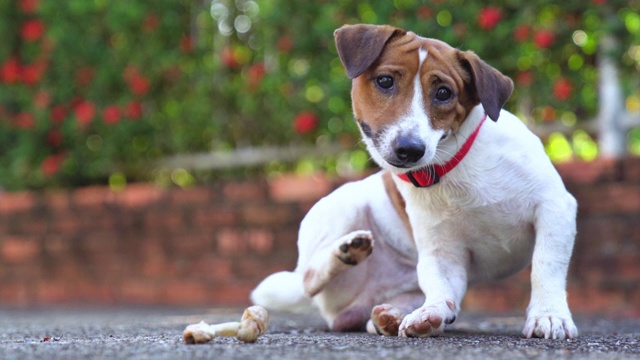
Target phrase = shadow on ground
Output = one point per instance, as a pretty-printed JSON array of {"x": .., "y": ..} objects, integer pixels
[{"x": 157, "y": 334}]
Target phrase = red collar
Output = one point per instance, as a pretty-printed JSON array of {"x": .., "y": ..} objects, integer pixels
[{"x": 431, "y": 174}]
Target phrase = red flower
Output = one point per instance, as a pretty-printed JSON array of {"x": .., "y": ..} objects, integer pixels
[
  {"x": 562, "y": 89},
  {"x": 305, "y": 122},
  {"x": 32, "y": 30},
  {"x": 51, "y": 164},
  {"x": 521, "y": 33},
  {"x": 525, "y": 78},
  {"x": 285, "y": 44},
  {"x": 111, "y": 114},
  {"x": 489, "y": 17},
  {"x": 58, "y": 114},
  {"x": 25, "y": 121},
  {"x": 186, "y": 44},
  {"x": 151, "y": 23},
  {"x": 54, "y": 138},
  {"x": 84, "y": 75},
  {"x": 32, "y": 74},
  {"x": 28, "y": 6},
  {"x": 543, "y": 38},
  {"x": 10, "y": 71},
  {"x": 139, "y": 85},
  {"x": 255, "y": 74},
  {"x": 228, "y": 58},
  {"x": 84, "y": 113},
  {"x": 133, "y": 110},
  {"x": 425, "y": 13}
]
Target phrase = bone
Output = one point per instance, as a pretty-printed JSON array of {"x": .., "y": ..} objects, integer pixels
[{"x": 254, "y": 323}]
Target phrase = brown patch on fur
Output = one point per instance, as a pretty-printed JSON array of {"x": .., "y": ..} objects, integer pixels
[
  {"x": 470, "y": 79},
  {"x": 396, "y": 199}
]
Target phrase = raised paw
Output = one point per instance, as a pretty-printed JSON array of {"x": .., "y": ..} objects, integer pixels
[
  {"x": 355, "y": 247},
  {"x": 428, "y": 320},
  {"x": 550, "y": 326},
  {"x": 386, "y": 319}
]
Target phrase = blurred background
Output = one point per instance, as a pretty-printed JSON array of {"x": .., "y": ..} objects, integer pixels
[
  {"x": 164, "y": 152},
  {"x": 108, "y": 91}
]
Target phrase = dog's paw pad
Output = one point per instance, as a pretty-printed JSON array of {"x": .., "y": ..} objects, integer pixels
[
  {"x": 357, "y": 247},
  {"x": 386, "y": 319},
  {"x": 427, "y": 321},
  {"x": 550, "y": 327}
]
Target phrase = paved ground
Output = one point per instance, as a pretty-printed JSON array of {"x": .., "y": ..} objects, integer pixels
[{"x": 157, "y": 334}]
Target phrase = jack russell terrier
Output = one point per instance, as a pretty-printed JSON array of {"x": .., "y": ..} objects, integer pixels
[{"x": 460, "y": 199}]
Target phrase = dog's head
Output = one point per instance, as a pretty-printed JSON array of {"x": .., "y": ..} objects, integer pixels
[{"x": 411, "y": 93}]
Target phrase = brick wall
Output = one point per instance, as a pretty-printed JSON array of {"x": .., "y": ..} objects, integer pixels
[{"x": 210, "y": 245}]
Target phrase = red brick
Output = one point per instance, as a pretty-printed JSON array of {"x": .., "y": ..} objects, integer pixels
[
  {"x": 260, "y": 241},
  {"x": 294, "y": 188},
  {"x": 263, "y": 215},
  {"x": 140, "y": 195},
  {"x": 57, "y": 201},
  {"x": 631, "y": 169},
  {"x": 14, "y": 294},
  {"x": 600, "y": 235},
  {"x": 57, "y": 245},
  {"x": 16, "y": 202},
  {"x": 185, "y": 292},
  {"x": 165, "y": 220},
  {"x": 213, "y": 217},
  {"x": 244, "y": 191},
  {"x": 49, "y": 292},
  {"x": 96, "y": 293},
  {"x": 100, "y": 243},
  {"x": 18, "y": 249},
  {"x": 589, "y": 299},
  {"x": 597, "y": 171},
  {"x": 91, "y": 196},
  {"x": 612, "y": 198},
  {"x": 192, "y": 197},
  {"x": 231, "y": 242},
  {"x": 236, "y": 295},
  {"x": 189, "y": 243},
  {"x": 211, "y": 268},
  {"x": 136, "y": 291},
  {"x": 627, "y": 268}
]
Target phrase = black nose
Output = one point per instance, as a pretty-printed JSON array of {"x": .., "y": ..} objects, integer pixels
[{"x": 408, "y": 149}]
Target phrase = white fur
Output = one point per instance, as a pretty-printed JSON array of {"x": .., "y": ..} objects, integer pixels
[
  {"x": 501, "y": 207},
  {"x": 387, "y": 275}
]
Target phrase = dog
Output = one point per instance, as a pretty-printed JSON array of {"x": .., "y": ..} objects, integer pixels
[
  {"x": 339, "y": 273},
  {"x": 482, "y": 199}
]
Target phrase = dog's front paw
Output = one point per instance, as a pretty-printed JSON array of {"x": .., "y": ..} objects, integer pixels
[
  {"x": 356, "y": 247},
  {"x": 386, "y": 319},
  {"x": 428, "y": 320},
  {"x": 550, "y": 326}
]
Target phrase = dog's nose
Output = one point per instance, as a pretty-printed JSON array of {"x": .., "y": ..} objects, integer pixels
[{"x": 409, "y": 149}]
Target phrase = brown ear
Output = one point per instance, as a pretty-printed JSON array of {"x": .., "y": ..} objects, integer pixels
[
  {"x": 360, "y": 45},
  {"x": 491, "y": 87}
]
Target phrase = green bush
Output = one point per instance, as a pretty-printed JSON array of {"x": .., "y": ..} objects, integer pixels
[{"x": 93, "y": 88}]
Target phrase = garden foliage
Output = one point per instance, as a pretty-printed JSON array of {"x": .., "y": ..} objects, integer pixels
[{"x": 97, "y": 89}]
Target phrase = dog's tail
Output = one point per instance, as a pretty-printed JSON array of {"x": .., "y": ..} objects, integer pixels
[{"x": 282, "y": 291}]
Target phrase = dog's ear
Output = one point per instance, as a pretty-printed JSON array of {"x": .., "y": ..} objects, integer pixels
[
  {"x": 360, "y": 45},
  {"x": 491, "y": 87}
]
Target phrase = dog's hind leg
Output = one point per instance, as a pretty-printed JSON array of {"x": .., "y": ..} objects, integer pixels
[
  {"x": 386, "y": 318},
  {"x": 346, "y": 252}
]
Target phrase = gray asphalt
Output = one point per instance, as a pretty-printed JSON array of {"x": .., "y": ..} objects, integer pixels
[{"x": 157, "y": 334}]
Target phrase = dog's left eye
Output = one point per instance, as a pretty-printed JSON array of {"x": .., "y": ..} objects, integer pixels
[
  {"x": 443, "y": 94},
  {"x": 385, "y": 82}
]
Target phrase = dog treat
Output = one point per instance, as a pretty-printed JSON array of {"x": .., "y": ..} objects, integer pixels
[{"x": 254, "y": 322}]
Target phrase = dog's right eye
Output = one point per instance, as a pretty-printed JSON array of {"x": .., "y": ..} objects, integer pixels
[{"x": 384, "y": 82}]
